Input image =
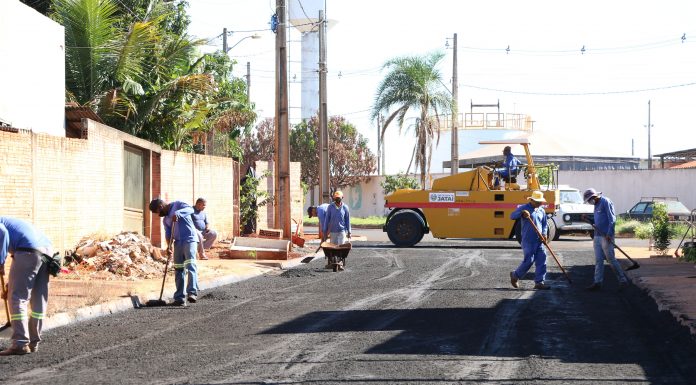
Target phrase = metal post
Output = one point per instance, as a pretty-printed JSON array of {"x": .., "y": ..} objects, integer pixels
[
  {"x": 224, "y": 40},
  {"x": 282, "y": 154},
  {"x": 384, "y": 164},
  {"x": 454, "y": 166},
  {"x": 324, "y": 167}
]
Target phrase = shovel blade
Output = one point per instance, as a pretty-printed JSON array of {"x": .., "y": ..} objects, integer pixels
[
  {"x": 633, "y": 267},
  {"x": 307, "y": 260}
]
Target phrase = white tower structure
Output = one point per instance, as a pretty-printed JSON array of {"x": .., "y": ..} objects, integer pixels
[{"x": 304, "y": 16}]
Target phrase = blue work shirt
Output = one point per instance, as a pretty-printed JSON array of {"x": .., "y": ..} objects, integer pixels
[
  {"x": 200, "y": 219},
  {"x": 18, "y": 233},
  {"x": 604, "y": 216},
  {"x": 510, "y": 165},
  {"x": 337, "y": 219},
  {"x": 321, "y": 214},
  {"x": 538, "y": 216},
  {"x": 185, "y": 230}
]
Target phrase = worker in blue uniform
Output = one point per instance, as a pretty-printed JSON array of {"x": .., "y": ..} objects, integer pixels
[
  {"x": 509, "y": 169},
  {"x": 337, "y": 223},
  {"x": 531, "y": 242},
  {"x": 28, "y": 282},
  {"x": 185, "y": 246},
  {"x": 604, "y": 220}
]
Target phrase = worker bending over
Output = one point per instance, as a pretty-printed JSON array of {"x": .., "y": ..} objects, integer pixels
[{"x": 531, "y": 243}]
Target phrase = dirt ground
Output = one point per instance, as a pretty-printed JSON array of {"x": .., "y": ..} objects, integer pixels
[{"x": 71, "y": 291}]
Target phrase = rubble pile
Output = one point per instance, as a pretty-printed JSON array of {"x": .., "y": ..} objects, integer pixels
[{"x": 127, "y": 255}]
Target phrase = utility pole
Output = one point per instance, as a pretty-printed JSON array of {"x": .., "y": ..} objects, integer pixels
[
  {"x": 224, "y": 40},
  {"x": 384, "y": 165},
  {"x": 379, "y": 148},
  {"x": 454, "y": 167},
  {"x": 324, "y": 174},
  {"x": 649, "y": 152},
  {"x": 248, "y": 79},
  {"x": 282, "y": 143}
]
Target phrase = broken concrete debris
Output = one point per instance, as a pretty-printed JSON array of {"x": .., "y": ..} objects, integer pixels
[{"x": 127, "y": 254}]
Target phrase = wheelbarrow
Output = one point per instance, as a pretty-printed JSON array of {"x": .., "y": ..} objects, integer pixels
[{"x": 336, "y": 254}]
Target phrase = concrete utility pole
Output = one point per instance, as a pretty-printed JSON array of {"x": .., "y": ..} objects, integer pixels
[
  {"x": 224, "y": 40},
  {"x": 282, "y": 141},
  {"x": 454, "y": 167},
  {"x": 649, "y": 152},
  {"x": 324, "y": 171},
  {"x": 248, "y": 79},
  {"x": 379, "y": 148}
]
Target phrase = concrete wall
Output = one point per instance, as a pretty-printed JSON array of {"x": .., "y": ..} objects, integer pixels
[
  {"x": 625, "y": 188},
  {"x": 71, "y": 188},
  {"x": 32, "y": 69}
]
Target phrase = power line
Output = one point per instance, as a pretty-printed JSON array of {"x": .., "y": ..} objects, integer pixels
[{"x": 589, "y": 93}]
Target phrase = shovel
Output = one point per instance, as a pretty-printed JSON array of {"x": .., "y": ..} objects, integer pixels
[
  {"x": 160, "y": 301},
  {"x": 309, "y": 259}
]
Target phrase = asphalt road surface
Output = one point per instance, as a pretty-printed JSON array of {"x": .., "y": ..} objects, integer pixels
[{"x": 440, "y": 313}]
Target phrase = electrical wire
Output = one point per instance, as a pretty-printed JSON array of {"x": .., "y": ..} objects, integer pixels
[{"x": 589, "y": 93}]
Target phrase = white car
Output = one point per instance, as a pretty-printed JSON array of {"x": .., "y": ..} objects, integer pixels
[{"x": 568, "y": 217}]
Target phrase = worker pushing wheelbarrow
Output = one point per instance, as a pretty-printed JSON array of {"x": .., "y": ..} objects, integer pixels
[
  {"x": 336, "y": 254},
  {"x": 336, "y": 225}
]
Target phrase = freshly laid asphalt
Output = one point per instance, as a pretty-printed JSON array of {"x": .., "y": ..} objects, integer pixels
[{"x": 442, "y": 312}]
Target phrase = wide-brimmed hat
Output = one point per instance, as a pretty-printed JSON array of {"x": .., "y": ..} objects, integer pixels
[
  {"x": 537, "y": 196},
  {"x": 590, "y": 193}
]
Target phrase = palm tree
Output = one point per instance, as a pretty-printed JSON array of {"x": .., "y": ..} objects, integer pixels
[{"x": 413, "y": 82}]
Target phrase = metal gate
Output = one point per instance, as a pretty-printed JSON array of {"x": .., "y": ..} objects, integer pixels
[{"x": 133, "y": 189}]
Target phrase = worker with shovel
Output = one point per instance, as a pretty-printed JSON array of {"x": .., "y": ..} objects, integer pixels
[
  {"x": 604, "y": 220},
  {"x": 531, "y": 241},
  {"x": 185, "y": 246},
  {"x": 28, "y": 282}
]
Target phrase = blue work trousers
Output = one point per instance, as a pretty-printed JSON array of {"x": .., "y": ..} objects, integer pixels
[
  {"x": 604, "y": 249},
  {"x": 185, "y": 262},
  {"x": 533, "y": 253}
]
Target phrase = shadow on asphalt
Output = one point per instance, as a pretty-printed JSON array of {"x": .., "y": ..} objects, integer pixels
[{"x": 567, "y": 323}]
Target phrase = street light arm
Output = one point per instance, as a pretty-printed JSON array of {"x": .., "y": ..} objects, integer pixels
[{"x": 254, "y": 36}]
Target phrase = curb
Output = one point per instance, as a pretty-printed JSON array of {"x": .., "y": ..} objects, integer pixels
[{"x": 135, "y": 301}]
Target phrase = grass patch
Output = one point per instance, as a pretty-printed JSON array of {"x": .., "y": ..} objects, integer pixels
[{"x": 371, "y": 221}]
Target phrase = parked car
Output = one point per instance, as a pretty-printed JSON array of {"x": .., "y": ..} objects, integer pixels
[
  {"x": 642, "y": 210},
  {"x": 568, "y": 217}
]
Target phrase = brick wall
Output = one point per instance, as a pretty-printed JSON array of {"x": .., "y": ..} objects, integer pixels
[
  {"x": 186, "y": 177},
  {"x": 71, "y": 188}
]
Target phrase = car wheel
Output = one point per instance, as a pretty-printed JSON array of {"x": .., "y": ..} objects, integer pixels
[
  {"x": 554, "y": 233},
  {"x": 405, "y": 229}
]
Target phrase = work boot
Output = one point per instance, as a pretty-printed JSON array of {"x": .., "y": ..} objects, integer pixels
[
  {"x": 178, "y": 302},
  {"x": 541, "y": 286},
  {"x": 15, "y": 351},
  {"x": 594, "y": 287},
  {"x": 34, "y": 347},
  {"x": 192, "y": 298},
  {"x": 513, "y": 280}
]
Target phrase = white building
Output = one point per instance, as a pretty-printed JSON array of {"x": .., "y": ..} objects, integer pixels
[{"x": 32, "y": 70}]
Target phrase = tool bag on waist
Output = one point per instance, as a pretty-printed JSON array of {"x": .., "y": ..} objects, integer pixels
[{"x": 53, "y": 264}]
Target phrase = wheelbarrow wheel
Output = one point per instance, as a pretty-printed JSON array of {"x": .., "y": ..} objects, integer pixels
[{"x": 335, "y": 267}]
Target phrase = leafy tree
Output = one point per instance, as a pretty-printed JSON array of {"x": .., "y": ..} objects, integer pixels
[
  {"x": 661, "y": 231},
  {"x": 250, "y": 199},
  {"x": 350, "y": 159},
  {"x": 414, "y": 82},
  {"x": 258, "y": 144},
  {"x": 399, "y": 181}
]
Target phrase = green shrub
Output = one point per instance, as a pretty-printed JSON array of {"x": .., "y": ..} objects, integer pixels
[
  {"x": 689, "y": 254},
  {"x": 661, "y": 228},
  {"x": 644, "y": 231},
  {"x": 392, "y": 183},
  {"x": 626, "y": 227}
]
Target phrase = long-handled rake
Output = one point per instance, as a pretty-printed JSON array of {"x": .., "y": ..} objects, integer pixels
[
  {"x": 634, "y": 265},
  {"x": 541, "y": 237}
]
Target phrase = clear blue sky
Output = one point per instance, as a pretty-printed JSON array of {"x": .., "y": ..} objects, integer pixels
[{"x": 634, "y": 53}]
